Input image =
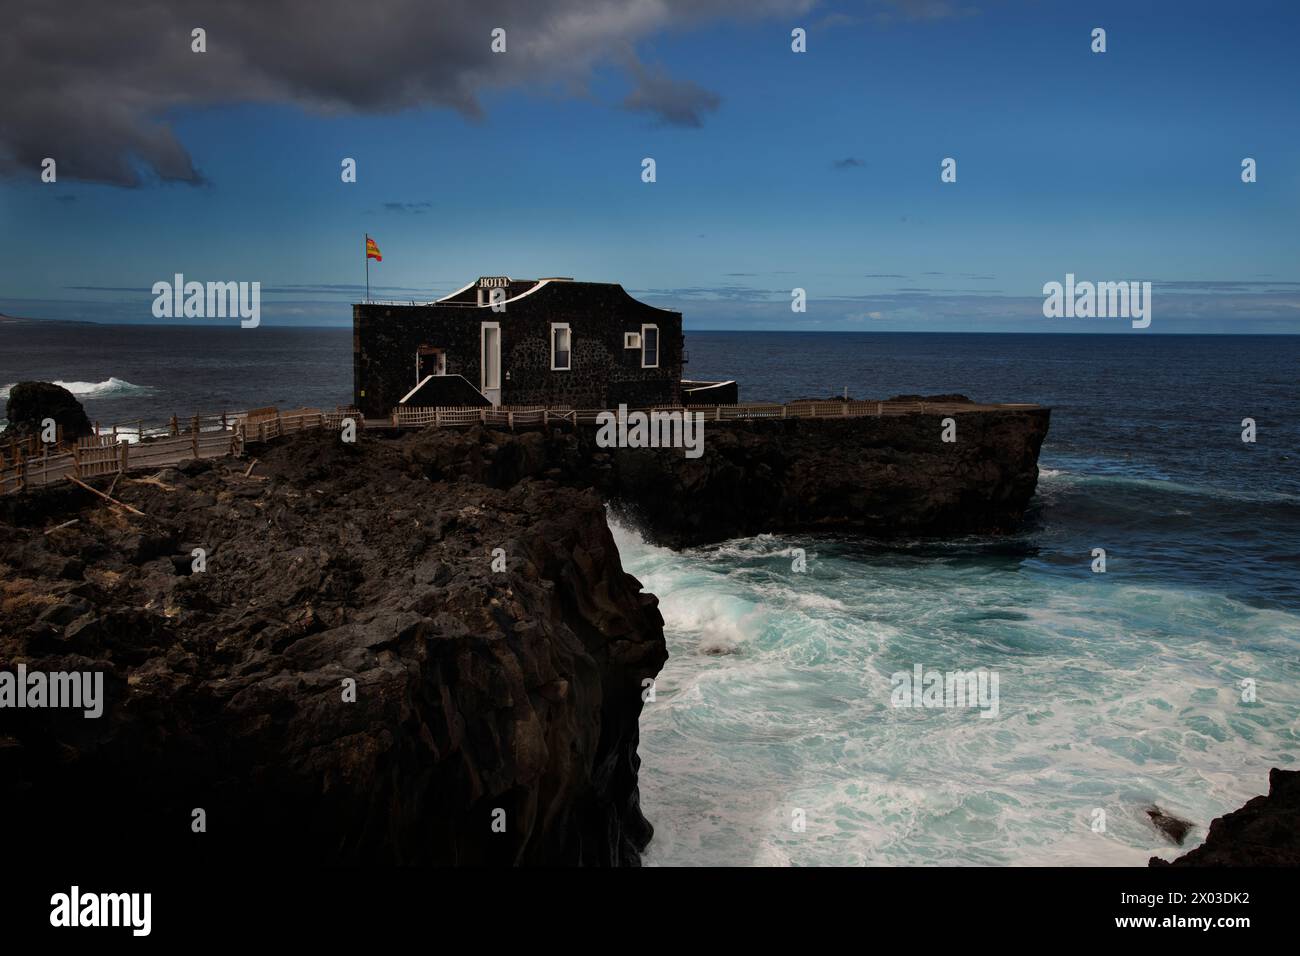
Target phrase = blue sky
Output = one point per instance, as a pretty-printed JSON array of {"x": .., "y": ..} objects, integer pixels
[{"x": 817, "y": 170}]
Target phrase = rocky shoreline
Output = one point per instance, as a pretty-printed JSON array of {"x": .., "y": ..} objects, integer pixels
[
  {"x": 420, "y": 649},
  {"x": 1263, "y": 832},
  {"x": 481, "y": 698}
]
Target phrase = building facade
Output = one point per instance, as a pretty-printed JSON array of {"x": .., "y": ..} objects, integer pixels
[{"x": 549, "y": 342}]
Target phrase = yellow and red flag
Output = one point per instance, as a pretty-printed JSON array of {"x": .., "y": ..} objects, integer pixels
[{"x": 372, "y": 250}]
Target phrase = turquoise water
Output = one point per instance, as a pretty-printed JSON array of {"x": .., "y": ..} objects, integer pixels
[
  {"x": 1116, "y": 690},
  {"x": 776, "y": 697}
]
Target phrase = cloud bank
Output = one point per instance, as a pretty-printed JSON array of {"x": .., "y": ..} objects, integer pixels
[{"x": 94, "y": 84}]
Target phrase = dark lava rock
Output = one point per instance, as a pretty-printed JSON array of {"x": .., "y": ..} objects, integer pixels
[
  {"x": 887, "y": 477},
  {"x": 1264, "y": 832},
  {"x": 1173, "y": 827},
  {"x": 477, "y": 692},
  {"x": 30, "y": 403}
]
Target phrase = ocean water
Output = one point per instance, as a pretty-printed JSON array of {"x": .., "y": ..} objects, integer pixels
[
  {"x": 1116, "y": 690},
  {"x": 124, "y": 373}
]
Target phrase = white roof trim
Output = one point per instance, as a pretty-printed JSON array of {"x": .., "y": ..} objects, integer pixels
[
  {"x": 402, "y": 400},
  {"x": 464, "y": 288},
  {"x": 522, "y": 294}
]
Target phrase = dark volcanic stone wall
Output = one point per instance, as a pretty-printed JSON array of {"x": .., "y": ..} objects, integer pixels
[
  {"x": 604, "y": 373},
  {"x": 883, "y": 477}
]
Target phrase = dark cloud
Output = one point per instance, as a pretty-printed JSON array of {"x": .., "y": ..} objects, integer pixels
[
  {"x": 848, "y": 162},
  {"x": 672, "y": 102},
  {"x": 411, "y": 207},
  {"x": 95, "y": 84}
]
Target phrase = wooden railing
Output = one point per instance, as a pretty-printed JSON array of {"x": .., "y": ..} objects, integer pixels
[{"x": 27, "y": 464}]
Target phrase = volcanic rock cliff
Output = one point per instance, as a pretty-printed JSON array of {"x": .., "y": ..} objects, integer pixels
[
  {"x": 886, "y": 477},
  {"x": 1263, "y": 832},
  {"x": 494, "y": 714}
]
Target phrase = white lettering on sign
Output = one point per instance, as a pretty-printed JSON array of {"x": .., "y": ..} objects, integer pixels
[{"x": 493, "y": 282}]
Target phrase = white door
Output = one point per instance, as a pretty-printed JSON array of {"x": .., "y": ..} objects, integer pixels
[{"x": 490, "y": 362}]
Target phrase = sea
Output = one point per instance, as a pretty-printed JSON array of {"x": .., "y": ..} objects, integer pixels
[{"x": 1170, "y": 679}]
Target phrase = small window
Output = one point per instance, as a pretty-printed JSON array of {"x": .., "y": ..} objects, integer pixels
[
  {"x": 649, "y": 346},
  {"x": 561, "y": 354},
  {"x": 631, "y": 340}
]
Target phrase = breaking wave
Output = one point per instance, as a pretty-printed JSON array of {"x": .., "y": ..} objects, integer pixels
[{"x": 109, "y": 388}]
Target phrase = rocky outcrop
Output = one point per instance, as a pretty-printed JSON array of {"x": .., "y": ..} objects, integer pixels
[
  {"x": 887, "y": 477},
  {"x": 1174, "y": 828},
  {"x": 30, "y": 403},
  {"x": 1264, "y": 832},
  {"x": 345, "y": 679}
]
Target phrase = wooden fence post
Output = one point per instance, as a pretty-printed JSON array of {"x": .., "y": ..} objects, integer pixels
[
  {"x": 176, "y": 426},
  {"x": 76, "y": 459},
  {"x": 126, "y": 455}
]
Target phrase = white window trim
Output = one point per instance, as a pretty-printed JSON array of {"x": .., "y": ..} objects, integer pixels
[
  {"x": 658, "y": 346},
  {"x": 482, "y": 355},
  {"x": 565, "y": 326}
]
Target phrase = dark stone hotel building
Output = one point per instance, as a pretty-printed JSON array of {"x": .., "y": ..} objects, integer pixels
[{"x": 509, "y": 341}]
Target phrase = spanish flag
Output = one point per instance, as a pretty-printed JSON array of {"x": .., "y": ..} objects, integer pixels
[{"x": 372, "y": 250}]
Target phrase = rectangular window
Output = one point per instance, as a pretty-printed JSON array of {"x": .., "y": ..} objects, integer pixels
[
  {"x": 561, "y": 354},
  {"x": 649, "y": 346},
  {"x": 491, "y": 357}
]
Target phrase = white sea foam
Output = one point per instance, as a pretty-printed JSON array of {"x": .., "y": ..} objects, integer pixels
[
  {"x": 109, "y": 388},
  {"x": 1112, "y": 697}
]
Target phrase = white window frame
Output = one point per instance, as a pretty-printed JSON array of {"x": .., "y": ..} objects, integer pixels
[
  {"x": 565, "y": 326},
  {"x": 658, "y": 346},
  {"x": 631, "y": 340},
  {"x": 483, "y": 355}
]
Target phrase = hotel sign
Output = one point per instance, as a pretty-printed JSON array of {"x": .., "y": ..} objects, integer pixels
[{"x": 493, "y": 282}]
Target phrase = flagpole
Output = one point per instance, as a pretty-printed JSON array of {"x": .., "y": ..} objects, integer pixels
[{"x": 367, "y": 248}]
